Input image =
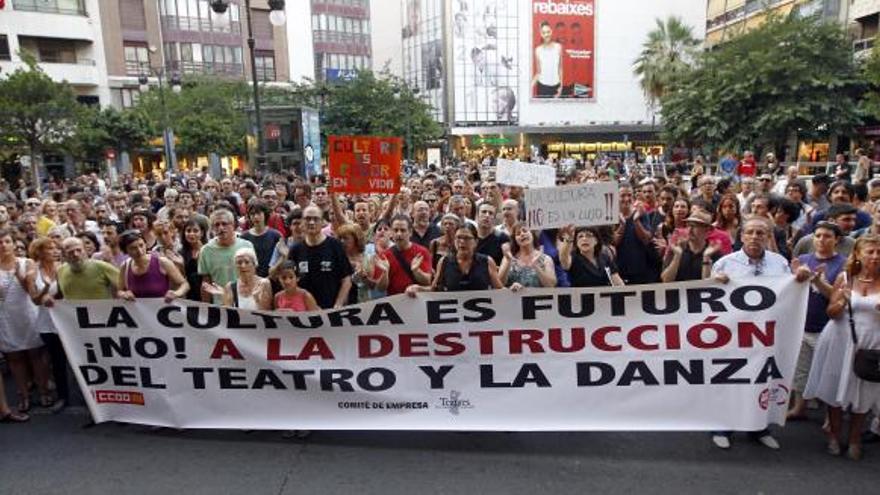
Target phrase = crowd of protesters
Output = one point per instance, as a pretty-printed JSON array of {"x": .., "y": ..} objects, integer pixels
[{"x": 280, "y": 242}]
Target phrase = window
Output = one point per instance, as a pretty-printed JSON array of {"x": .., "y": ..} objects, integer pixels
[
  {"x": 207, "y": 53},
  {"x": 70, "y": 7},
  {"x": 265, "y": 65},
  {"x": 4, "y": 48},
  {"x": 186, "y": 52},
  {"x": 137, "y": 59},
  {"x": 125, "y": 97}
]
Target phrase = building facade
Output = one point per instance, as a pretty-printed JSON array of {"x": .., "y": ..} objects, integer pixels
[
  {"x": 341, "y": 35},
  {"x": 186, "y": 38},
  {"x": 74, "y": 53},
  {"x": 537, "y": 77},
  {"x": 726, "y": 19}
]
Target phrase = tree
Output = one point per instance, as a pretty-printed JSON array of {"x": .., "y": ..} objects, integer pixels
[
  {"x": 207, "y": 116},
  {"x": 666, "y": 56},
  {"x": 37, "y": 114},
  {"x": 792, "y": 74},
  {"x": 870, "y": 104},
  {"x": 121, "y": 130},
  {"x": 365, "y": 105}
]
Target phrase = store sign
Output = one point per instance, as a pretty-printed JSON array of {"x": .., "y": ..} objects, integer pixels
[
  {"x": 340, "y": 75},
  {"x": 273, "y": 131},
  {"x": 563, "y": 49},
  {"x": 491, "y": 141}
]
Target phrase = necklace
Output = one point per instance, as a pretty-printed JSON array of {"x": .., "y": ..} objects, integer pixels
[{"x": 866, "y": 280}]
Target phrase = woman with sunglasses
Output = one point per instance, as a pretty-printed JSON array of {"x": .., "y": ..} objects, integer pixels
[{"x": 582, "y": 255}]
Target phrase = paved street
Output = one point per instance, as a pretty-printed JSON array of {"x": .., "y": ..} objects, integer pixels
[{"x": 54, "y": 454}]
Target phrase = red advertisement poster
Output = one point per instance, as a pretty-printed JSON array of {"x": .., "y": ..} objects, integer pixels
[
  {"x": 563, "y": 55},
  {"x": 364, "y": 164}
]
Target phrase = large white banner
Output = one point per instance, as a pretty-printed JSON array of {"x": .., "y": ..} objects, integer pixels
[{"x": 690, "y": 356}]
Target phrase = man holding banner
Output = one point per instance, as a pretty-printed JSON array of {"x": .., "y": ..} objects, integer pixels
[{"x": 754, "y": 261}]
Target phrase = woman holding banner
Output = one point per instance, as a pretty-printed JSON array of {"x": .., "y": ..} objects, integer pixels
[
  {"x": 581, "y": 254},
  {"x": 463, "y": 269},
  {"x": 147, "y": 274},
  {"x": 249, "y": 291},
  {"x": 524, "y": 265},
  {"x": 855, "y": 314}
]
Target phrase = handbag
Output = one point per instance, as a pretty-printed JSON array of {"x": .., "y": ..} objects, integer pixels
[{"x": 866, "y": 363}]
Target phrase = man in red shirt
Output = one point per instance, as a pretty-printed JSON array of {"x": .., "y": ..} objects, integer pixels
[
  {"x": 406, "y": 263},
  {"x": 748, "y": 167}
]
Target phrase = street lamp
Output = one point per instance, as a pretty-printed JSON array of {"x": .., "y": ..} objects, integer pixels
[
  {"x": 167, "y": 133},
  {"x": 399, "y": 92},
  {"x": 277, "y": 18}
]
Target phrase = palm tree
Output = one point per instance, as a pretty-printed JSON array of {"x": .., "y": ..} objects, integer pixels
[{"x": 668, "y": 53}]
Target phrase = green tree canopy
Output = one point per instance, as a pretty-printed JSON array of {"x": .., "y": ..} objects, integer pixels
[
  {"x": 380, "y": 105},
  {"x": 666, "y": 56},
  {"x": 121, "y": 130},
  {"x": 37, "y": 114},
  {"x": 207, "y": 115},
  {"x": 792, "y": 74}
]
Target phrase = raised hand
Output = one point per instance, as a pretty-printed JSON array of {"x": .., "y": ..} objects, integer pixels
[{"x": 416, "y": 262}]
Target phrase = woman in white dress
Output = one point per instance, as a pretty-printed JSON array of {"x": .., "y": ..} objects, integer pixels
[
  {"x": 20, "y": 341},
  {"x": 831, "y": 377}
]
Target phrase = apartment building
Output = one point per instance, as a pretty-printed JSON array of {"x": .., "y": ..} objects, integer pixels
[
  {"x": 74, "y": 51},
  {"x": 726, "y": 19}
]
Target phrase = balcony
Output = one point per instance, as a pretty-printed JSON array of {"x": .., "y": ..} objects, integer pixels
[
  {"x": 209, "y": 68},
  {"x": 66, "y": 7},
  {"x": 197, "y": 24},
  {"x": 266, "y": 74},
  {"x": 135, "y": 68},
  {"x": 862, "y": 48},
  {"x": 82, "y": 72}
]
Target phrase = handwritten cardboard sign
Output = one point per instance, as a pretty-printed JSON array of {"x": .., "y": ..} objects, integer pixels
[
  {"x": 516, "y": 173},
  {"x": 581, "y": 205},
  {"x": 364, "y": 164}
]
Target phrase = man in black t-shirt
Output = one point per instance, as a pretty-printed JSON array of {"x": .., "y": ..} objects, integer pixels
[
  {"x": 691, "y": 258},
  {"x": 324, "y": 269},
  {"x": 489, "y": 241}
]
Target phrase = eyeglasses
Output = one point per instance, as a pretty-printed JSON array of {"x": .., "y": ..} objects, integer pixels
[
  {"x": 32, "y": 204},
  {"x": 464, "y": 238}
]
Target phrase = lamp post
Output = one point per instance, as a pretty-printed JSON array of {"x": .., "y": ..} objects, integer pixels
[
  {"x": 277, "y": 18},
  {"x": 399, "y": 93},
  {"x": 167, "y": 133}
]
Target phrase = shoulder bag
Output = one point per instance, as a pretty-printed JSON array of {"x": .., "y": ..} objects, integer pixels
[{"x": 866, "y": 363}]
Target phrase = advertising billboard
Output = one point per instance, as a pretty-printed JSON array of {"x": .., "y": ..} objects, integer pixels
[
  {"x": 485, "y": 63},
  {"x": 563, "y": 55}
]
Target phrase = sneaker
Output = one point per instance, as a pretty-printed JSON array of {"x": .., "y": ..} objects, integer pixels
[
  {"x": 721, "y": 441},
  {"x": 768, "y": 441}
]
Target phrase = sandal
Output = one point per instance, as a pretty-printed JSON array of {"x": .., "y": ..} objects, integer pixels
[
  {"x": 14, "y": 417},
  {"x": 24, "y": 403}
]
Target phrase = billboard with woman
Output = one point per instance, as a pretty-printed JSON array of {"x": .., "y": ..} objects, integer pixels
[{"x": 563, "y": 56}]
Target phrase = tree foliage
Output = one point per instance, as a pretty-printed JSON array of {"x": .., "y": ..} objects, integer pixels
[
  {"x": 37, "y": 114},
  {"x": 666, "y": 56},
  {"x": 207, "y": 115},
  {"x": 380, "y": 105},
  {"x": 792, "y": 74},
  {"x": 109, "y": 128}
]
